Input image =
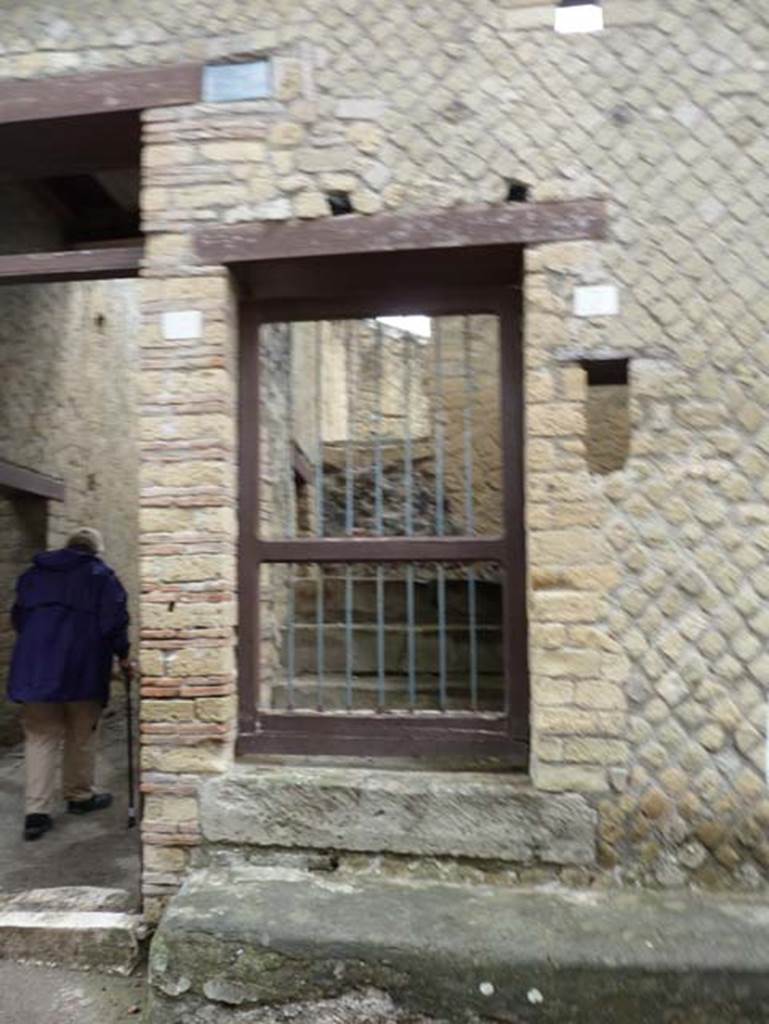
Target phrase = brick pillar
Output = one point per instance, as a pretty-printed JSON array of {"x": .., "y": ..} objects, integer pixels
[
  {"x": 578, "y": 668},
  {"x": 187, "y": 530}
]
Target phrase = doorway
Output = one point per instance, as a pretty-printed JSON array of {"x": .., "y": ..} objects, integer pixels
[
  {"x": 382, "y": 608},
  {"x": 68, "y": 458}
]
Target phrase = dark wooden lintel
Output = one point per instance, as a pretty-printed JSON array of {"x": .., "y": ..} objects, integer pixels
[
  {"x": 29, "y": 481},
  {"x": 71, "y": 265},
  {"x": 102, "y": 92},
  {"x": 513, "y": 224}
]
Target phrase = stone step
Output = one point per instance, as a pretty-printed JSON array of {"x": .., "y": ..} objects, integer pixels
[
  {"x": 84, "y": 928},
  {"x": 238, "y": 941},
  {"x": 471, "y": 815},
  {"x": 365, "y": 693}
]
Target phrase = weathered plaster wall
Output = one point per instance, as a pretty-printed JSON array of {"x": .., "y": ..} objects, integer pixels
[
  {"x": 22, "y": 534},
  {"x": 648, "y": 628}
]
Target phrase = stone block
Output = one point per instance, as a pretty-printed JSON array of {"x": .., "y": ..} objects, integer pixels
[
  {"x": 215, "y": 709},
  {"x": 233, "y": 152},
  {"x": 90, "y": 898},
  {"x": 279, "y": 944},
  {"x": 202, "y": 758},
  {"x": 171, "y": 809},
  {"x": 567, "y": 663},
  {"x": 201, "y": 661},
  {"x": 590, "y": 750},
  {"x": 167, "y": 710},
  {"x": 361, "y": 109},
  {"x": 425, "y": 814},
  {"x": 565, "y": 606},
  {"x": 103, "y": 941},
  {"x": 566, "y": 547},
  {"x": 570, "y": 778}
]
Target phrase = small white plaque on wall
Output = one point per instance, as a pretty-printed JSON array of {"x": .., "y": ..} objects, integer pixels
[
  {"x": 573, "y": 16},
  {"x": 182, "y": 325},
  {"x": 596, "y": 300}
]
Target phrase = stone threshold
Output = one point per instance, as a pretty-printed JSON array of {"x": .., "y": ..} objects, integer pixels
[
  {"x": 492, "y": 817},
  {"x": 80, "y": 927},
  {"x": 232, "y": 942}
]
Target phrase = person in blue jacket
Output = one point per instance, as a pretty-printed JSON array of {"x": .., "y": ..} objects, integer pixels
[{"x": 71, "y": 620}]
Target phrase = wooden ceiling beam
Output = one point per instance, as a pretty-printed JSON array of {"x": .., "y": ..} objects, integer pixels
[
  {"x": 71, "y": 265},
  {"x": 101, "y": 92}
]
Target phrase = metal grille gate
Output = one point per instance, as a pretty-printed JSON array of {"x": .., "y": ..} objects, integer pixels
[{"x": 382, "y": 570}]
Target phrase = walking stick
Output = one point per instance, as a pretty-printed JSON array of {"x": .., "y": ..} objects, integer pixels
[{"x": 127, "y": 679}]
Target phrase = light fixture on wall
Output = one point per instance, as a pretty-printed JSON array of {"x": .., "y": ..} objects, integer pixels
[{"x": 572, "y": 16}]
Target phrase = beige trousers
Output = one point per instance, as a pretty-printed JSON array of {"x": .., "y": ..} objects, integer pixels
[{"x": 46, "y": 727}]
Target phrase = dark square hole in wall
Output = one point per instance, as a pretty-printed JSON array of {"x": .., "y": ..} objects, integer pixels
[
  {"x": 602, "y": 372},
  {"x": 607, "y": 414},
  {"x": 517, "y": 192},
  {"x": 339, "y": 203}
]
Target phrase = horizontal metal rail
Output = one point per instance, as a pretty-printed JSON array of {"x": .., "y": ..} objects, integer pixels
[{"x": 381, "y": 549}]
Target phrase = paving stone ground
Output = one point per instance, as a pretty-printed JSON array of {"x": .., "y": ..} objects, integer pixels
[
  {"x": 46, "y": 995},
  {"x": 96, "y": 850}
]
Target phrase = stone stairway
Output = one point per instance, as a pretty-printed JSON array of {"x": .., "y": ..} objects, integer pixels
[
  {"x": 300, "y": 645},
  {"x": 80, "y": 927}
]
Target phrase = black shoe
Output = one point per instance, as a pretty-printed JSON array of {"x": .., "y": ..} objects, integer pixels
[
  {"x": 36, "y": 825},
  {"x": 97, "y": 802}
]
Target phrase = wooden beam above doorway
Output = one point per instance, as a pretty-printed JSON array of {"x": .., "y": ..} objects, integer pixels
[
  {"x": 28, "y": 481},
  {"x": 71, "y": 265},
  {"x": 462, "y": 227},
  {"x": 101, "y": 92}
]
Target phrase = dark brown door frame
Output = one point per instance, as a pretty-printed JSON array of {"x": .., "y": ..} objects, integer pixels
[
  {"x": 503, "y": 736},
  {"x": 440, "y": 262}
]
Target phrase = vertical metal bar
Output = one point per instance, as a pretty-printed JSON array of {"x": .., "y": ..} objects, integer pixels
[
  {"x": 349, "y": 512},
  {"x": 408, "y": 517},
  {"x": 379, "y": 515},
  {"x": 469, "y": 377},
  {"x": 440, "y": 515},
  {"x": 380, "y": 637},
  {"x": 349, "y": 466},
  {"x": 408, "y": 446},
  {"x": 319, "y": 515},
  {"x": 442, "y": 645},
  {"x": 291, "y": 521}
]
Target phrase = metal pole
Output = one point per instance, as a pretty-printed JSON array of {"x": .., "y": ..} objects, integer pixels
[{"x": 128, "y": 679}]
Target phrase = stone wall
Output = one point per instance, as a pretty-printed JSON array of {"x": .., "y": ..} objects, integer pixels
[
  {"x": 23, "y": 532},
  {"x": 647, "y": 584},
  {"x": 67, "y": 365}
]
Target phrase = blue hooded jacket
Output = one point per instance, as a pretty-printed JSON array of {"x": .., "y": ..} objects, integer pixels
[{"x": 71, "y": 618}]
